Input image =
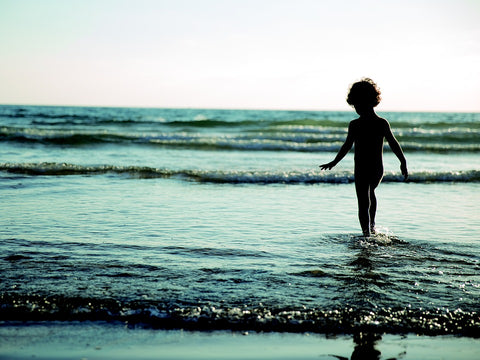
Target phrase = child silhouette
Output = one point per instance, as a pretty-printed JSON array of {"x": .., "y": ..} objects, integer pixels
[{"x": 367, "y": 133}]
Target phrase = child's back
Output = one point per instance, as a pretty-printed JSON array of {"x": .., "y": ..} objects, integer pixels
[{"x": 367, "y": 134}]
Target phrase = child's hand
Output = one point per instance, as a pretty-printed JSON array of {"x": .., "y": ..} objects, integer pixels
[
  {"x": 403, "y": 168},
  {"x": 328, "y": 166}
]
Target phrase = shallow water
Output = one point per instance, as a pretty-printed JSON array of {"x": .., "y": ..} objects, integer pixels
[{"x": 119, "y": 227}]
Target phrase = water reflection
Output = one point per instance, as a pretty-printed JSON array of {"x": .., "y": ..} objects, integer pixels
[
  {"x": 365, "y": 346},
  {"x": 360, "y": 283}
]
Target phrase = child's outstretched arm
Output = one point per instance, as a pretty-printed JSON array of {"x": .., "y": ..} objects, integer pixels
[
  {"x": 397, "y": 150},
  {"x": 347, "y": 145}
]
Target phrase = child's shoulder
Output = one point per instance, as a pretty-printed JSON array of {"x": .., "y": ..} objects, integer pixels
[
  {"x": 384, "y": 122},
  {"x": 355, "y": 122},
  {"x": 362, "y": 124},
  {"x": 377, "y": 120}
]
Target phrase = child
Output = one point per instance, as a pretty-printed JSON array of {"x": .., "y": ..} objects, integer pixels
[{"x": 367, "y": 133}]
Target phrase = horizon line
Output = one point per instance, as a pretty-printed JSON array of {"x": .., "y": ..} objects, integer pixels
[{"x": 233, "y": 108}]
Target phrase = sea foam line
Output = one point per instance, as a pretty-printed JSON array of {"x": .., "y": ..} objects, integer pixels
[{"x": 230, "y": 177}]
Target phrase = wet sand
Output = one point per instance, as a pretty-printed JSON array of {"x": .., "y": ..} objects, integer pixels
[{"x": 116, "y": 341}]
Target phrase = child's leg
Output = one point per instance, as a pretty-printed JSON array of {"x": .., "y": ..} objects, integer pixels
[
  {"x": 373, "y": 209},
  {"x": 363, "y": 197},
  {"x": 373, "y": 200}
]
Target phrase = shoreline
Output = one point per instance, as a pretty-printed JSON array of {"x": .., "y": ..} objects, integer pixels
[{"x": 99, "y": 340}]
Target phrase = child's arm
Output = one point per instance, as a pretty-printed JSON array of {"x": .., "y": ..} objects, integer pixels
[
  {"x": 347, "y": 145},
  {"x": 397, "y": 150}
]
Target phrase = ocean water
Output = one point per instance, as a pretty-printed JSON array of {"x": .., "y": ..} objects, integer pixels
[{"x": 221, "y": 219}]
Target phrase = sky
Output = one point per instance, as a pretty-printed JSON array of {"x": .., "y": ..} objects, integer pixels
[{"x": 240, "y": 54}]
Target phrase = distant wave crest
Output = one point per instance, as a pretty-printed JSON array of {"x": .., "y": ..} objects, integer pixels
[{"x": 282, "y": 138}]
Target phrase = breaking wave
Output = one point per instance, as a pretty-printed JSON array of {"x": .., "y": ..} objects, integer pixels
[{"x": 260, "y": 318}]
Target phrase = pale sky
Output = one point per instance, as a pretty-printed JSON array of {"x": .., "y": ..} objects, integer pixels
[{"x": 258, "y": 54}]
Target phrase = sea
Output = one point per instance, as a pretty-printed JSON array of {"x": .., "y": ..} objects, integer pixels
[{"x": 211, "y": 219}]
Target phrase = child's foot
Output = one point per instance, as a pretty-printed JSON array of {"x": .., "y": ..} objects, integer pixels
[
  {"x": 366, "y": 233},
  {"x": 373, "y": 231}
]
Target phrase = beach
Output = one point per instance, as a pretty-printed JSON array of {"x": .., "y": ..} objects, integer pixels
[{"x": 190, "y": 233}]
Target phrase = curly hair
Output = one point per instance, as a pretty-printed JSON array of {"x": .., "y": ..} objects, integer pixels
[{"x": 364, "y": 92}]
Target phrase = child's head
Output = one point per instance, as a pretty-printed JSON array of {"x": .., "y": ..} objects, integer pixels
[{"x": 364, "y": 93}]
